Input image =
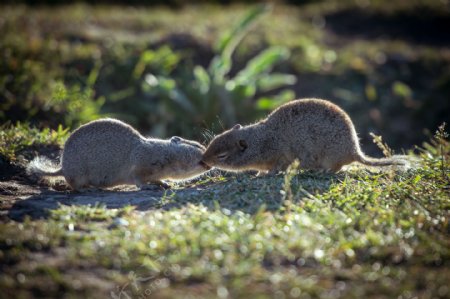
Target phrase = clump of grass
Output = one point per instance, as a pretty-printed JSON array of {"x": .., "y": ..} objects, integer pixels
[
  {"x": 439, "y": 148},
  {"x": 378, "y": 140},
  {"x": 287, "y": 185},
  {"x": 98, "y": 212},
  {"x": 14, "y": 138},
  {"x": 442, "y": 143}
]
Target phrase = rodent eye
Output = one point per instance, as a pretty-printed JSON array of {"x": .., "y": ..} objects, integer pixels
[{"x": 222, "y": 156}]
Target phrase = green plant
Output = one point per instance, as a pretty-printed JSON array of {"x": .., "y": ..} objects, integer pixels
[
  {"x": 378, "y": 140},
  {"x": 437, "y": 151},
  {"x": 213, "y": 95},
  {"x": 14, "y": 138},
  {"x": 76, "y": 103},
  {"x": 35, "y": 85}
]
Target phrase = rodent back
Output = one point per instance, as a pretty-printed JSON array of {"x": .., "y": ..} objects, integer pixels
[
  {"x": 312, "y": 121},
  {"x": 103, "y": 145}
]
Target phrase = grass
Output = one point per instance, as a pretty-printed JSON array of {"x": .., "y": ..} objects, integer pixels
[
  {"x": 359, "y": 233},
  {"x": 18, "y": 137}
]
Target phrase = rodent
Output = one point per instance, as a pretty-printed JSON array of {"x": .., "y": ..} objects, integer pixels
[
  {"x": 109, "y": 152},
  {"x": 316, "y": 132}
]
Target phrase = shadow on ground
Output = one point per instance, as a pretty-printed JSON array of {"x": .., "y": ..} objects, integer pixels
[
  {"x": 42, "y": 200},
  {"x": 242, "y": 192}
]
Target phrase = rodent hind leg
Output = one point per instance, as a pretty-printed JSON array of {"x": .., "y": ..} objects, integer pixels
[
  {"x": 77, "y": 185},
  {"x": 331, "y": 166},
  {"x": 83, "y": 186},
  {"x": 279, "y": 166},
  {"x": 334, "y": 163}
]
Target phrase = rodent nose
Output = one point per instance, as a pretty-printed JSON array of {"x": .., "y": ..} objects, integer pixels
[{"x": 206, "y": 166}]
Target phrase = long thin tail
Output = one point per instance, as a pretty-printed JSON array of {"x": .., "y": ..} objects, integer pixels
[
  {"x": 41, "y": 166},
  {"x": 394, "y": 160}
]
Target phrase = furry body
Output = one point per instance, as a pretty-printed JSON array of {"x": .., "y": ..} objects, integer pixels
[
  {"x": 108, "y": 152},
  {"x": 316, "y": 132}
]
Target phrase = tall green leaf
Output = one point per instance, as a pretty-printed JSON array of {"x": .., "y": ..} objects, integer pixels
[
  {"x": 228, "y": 42},
  {"x": 261, "y": 63},
  {"x": 202, "y": 79},
  {"x": 275, "y": 80},
  {"x": 219, "y": 67}
]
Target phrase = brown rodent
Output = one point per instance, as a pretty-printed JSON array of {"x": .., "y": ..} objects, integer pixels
[
  {"x": 108, "y": 152},
  {"x": 316, "y": 132}
]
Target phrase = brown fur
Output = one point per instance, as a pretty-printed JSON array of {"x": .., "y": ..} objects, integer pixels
[
  {"x": 108, "y": 152},
  {"x": 316, "y": 132}
]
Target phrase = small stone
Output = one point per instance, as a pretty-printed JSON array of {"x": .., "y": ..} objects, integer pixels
[{"x": 119, "y": 222}]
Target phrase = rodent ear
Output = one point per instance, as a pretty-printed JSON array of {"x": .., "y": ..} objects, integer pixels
[
  {"x": 175, "y": 139},
  {"x": 242, "y": 145},
  {"x": 237, "y": 127}
]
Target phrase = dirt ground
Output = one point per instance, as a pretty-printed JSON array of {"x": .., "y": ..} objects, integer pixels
[{"x": 20, "y": 196}]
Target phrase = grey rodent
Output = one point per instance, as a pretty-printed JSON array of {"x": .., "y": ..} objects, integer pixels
[
  {"x": 108, "y": 152},
  {"x": 316, "y": 132}
]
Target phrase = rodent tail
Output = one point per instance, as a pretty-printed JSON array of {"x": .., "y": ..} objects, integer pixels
[
  {"x": 41, "y": 166},
  {"x": 394, "y": 160}
]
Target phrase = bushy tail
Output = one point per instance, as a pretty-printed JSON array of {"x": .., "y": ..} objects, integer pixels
[
  {"x": 41, "y": 166},
  {"x": 394, "y": 160}
]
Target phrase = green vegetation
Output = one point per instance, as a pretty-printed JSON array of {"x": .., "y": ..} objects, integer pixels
[
  {"x": 200, "y": 96},
  {"x": 147, "y": 86},
  {"x": 18, "y": 137},
  {"x": 302, "y": 235}
]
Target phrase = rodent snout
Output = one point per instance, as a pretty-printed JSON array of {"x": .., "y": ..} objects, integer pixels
[{"x": 204, "y": 165}]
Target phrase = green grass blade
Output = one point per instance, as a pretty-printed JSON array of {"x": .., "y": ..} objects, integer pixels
[
  {"x": 228, "y": 42},
  {"x": 272, "y": 81},
  {"x": 262, "y": 63}
]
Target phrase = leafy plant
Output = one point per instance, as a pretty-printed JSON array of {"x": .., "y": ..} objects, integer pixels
[
  {"x": 378, "y": 140},
  {"x": 76, "y": 103},
  {"x": 126, "y": 93},
  {"x": 437, "y": 151},
  {"x": 35, "y": 87},
  {"x": 212, "y": 95},
  {"x": 14, "y": 138}
]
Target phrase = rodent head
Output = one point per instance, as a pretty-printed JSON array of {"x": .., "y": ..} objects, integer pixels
[
  {"x": 187, "y": 162},
  {"x": 228, "y": 150}
]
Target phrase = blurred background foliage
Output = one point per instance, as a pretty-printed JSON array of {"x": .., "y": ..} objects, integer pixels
[{"x": 186, "y": 69}]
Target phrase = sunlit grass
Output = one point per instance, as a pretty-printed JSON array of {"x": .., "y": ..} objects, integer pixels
[{"x": 14, "y": 138}]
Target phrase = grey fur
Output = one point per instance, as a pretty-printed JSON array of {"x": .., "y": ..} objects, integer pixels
[
  {"x": 108, "y": 152},
  {"x": 316, "y": 132}
]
